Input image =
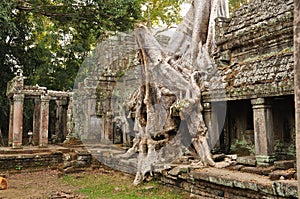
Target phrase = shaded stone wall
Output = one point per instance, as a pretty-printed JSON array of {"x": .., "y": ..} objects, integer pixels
[
  {"x": 284, "y": 127},
  {"x": 240, "y": 127}
]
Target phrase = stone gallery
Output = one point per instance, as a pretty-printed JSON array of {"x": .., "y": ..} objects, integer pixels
[
  {"x": 17, "y": 92},
  {"x": 218, "y": 94}
]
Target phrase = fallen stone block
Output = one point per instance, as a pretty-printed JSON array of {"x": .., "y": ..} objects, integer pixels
[
  {"x": 247, "y": 160},
  {"x": 258, "y": 170},
  {"x": 278, "y": 174},
  {"x": 177, "y": 170}
]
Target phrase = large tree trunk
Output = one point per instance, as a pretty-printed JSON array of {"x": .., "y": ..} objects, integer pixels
[{"x": 171, "y": 83}]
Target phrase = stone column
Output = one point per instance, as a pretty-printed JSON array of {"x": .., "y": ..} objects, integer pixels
[
  {"x": 85, "y": 116},
  {"x": 108, "y": 127},
  {"x": 60, "y": 124},
  {"x": 36, "y": 120},
  {"x": 88, "y": 118},
  {"x": 11, "y": 122},
  {"x": 211, "y": 119},
  {"x": 17, "y": 120},
  {"x": 44, "y": 121},
  {"x": 263, "y": 132},
  {"x": 102, "y": 130},
  {"x": 207, "y": 119},
  {"x": 78, "y": 114},
  {"x": 70, "y": 121}
]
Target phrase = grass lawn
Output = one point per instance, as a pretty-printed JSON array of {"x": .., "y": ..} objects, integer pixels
[{"x": 105, "y": 183}]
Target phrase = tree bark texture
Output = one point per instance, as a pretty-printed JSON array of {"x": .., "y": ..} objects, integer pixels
[{"x": 170, "y": 91}]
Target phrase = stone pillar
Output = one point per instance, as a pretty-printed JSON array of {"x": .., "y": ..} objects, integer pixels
[
  {"x": 60, "y": 124},
  {"x": 84, "y": 106},
  {"x": 297, "y": 85},
  {"x": 211, "y": 119},
  {"x": 263, "y": 132},
  {"x": 207, "y": 119},
  {"x": 108, "y": 127},
  {"x": 79, "y": 115},
  {"x": 44, "y": 121},
  {"x": 88, "y": 118},
  {"x": 36, "y": 120},
  {"x": 102, "y": 131},
  {"x": 71, "y": 132},
  {"x": 17, "y": 120},
  {"x": 11, "y": 122}
]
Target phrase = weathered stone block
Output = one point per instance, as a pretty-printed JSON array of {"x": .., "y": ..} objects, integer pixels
[
  {"x": 265, "y": 160},
  {"x": 177, "y": 170},
  {"x": 284, "y": 164},
  {"x": 287, "y": 174},
  {"x": 258, "y": 170},
  {"x": 84, "y": 158},
  {"x": 236, "y": 167},
  {"x": 247, "y": 160}
]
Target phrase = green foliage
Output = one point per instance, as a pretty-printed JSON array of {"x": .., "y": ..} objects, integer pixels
[
  {"x": 19, "y": 167},
  {"x": 6, "y": 19},
  {"x": 62, "y": 33},
  {"x": 235, "y": 4},
  {"x": 285, "y": 150},
  {"x": 161, "y": 11},
  {"x": 242, "y": 147}
]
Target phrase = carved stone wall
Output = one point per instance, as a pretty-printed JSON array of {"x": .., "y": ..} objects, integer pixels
[
  {"x": 255, "y": 50},
  {"x": 254, "y": 61}
]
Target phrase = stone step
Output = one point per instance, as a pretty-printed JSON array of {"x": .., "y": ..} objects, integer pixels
[
  {"x": 33, "y": 150},
  {"x": 110, "y": 156}
]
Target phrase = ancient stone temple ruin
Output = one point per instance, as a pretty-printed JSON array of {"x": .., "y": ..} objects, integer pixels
[
  {"x": 17, "y": 92},
  {"x": 95, "y": 118},
  {"x": 255, "y": 64},
  {"x": 245, "y": 95}
]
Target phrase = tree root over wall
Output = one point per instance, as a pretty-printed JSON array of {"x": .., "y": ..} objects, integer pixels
[{"x": 170, "y": 91}]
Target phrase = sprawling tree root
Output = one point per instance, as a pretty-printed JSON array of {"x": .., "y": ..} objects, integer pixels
[{"x": 170, "y": 91}]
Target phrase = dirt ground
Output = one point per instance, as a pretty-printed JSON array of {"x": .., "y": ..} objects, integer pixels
[
  {"x": 98, "y": 182},
  {"x": 40, "y": 184}
]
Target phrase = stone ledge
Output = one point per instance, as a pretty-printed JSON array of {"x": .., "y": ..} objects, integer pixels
[{"x": 207, "y": 182}]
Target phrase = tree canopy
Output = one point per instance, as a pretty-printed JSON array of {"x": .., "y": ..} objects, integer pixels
[
  {"x": 235, "y": 4},
  {"x": 49, "y": 39}
]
